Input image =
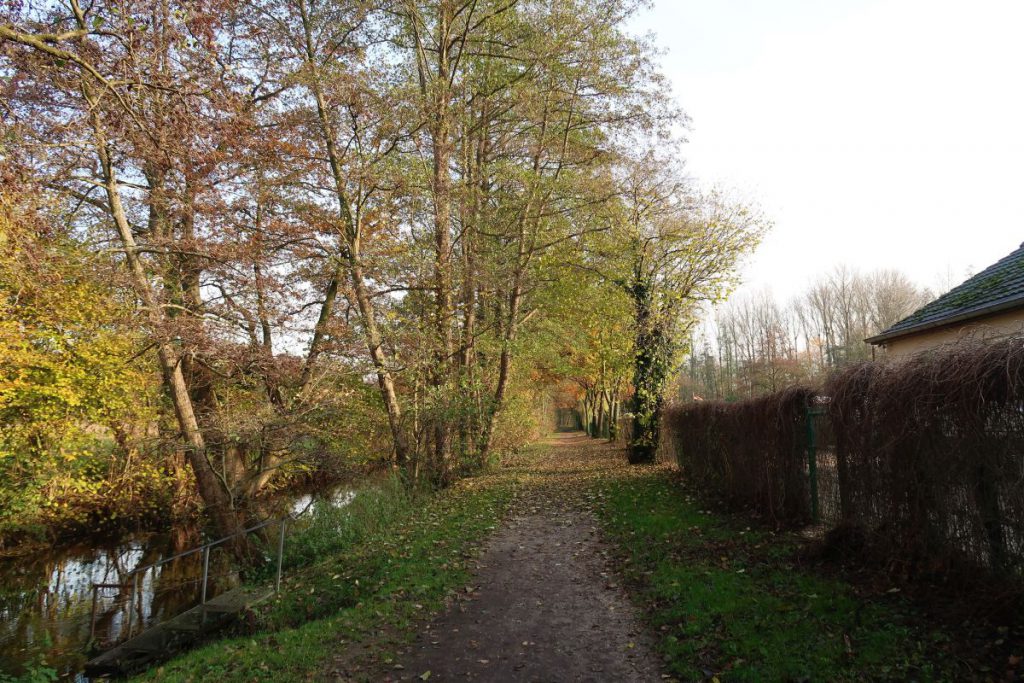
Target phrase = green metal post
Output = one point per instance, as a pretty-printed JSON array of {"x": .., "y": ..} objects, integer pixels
[{"x": 812, "y": 462}]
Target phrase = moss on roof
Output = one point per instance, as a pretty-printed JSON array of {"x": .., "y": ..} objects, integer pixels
[{"x": 998, "y": 286}]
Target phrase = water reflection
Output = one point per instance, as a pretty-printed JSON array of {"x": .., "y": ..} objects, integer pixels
[
  {"x": 48, "y": 611},
  {"x": 304, "y": 503}
]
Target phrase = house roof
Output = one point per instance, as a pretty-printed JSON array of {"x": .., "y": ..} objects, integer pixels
[{"x": 998, "y": 288}]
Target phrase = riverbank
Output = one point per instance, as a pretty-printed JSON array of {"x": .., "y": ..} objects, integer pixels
[
  {"x": 103, "y": 513},
  {"x": 368, "y": 585},
  {"x": 717, "y": 599},
  {"x": 47, "y": 613}
]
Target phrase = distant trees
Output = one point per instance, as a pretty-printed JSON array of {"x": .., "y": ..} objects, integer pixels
[
  {"x": 843, "y": 308},
  {"x": 594, "y": 350},
  {"x": 757, "y": 345}
]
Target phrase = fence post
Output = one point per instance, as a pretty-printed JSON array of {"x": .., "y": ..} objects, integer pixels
[{"x": 812, "y": 460}]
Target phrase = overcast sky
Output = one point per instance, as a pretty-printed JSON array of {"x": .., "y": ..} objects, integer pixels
[{"x": 879, "y": 133}]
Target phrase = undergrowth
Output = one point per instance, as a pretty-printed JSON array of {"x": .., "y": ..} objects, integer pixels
[{"x": 329, "y": 527}]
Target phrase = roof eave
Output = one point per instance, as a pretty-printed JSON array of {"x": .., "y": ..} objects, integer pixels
[{"x": 945, "y": 322}]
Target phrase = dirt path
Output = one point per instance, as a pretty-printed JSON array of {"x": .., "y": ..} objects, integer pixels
[{"x": 545, "y": 604}]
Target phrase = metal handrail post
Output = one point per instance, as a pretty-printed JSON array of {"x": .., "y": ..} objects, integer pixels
[
  {"x": 92, "y": 616},
  {"x": 131, "y": 604},
  {"x": 206, "y": 574},
  {"x": 280, "y": 556},
  {"x": 206, "y": 577}
]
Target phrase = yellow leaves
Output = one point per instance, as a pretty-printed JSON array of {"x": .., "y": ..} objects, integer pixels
[{"x": 63, "y": 344}]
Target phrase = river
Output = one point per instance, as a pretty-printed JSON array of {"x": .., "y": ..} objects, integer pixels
[{"x": 48, "y": 612}]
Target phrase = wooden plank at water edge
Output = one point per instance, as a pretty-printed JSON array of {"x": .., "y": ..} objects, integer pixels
[
  {"x": 183, "y": 631},
  {"x": 237, "y": 600}
]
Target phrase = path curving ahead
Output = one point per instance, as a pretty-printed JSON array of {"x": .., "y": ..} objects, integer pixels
[{"x": 545, "y": 603}]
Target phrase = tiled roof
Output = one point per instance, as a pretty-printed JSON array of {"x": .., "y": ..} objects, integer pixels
[{"x": 997, "y": 288}]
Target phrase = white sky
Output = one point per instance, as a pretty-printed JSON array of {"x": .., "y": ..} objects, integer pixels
[{"x": 878, "y": 133}]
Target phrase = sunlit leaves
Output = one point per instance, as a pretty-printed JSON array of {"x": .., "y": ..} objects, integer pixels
[{"x": 65, "y": 341}]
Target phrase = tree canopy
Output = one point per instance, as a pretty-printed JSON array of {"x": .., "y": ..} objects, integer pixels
[{"x": 299, "y": 224}]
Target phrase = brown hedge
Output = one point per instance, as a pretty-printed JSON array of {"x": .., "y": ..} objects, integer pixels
[
  {"x": 931, "y": 453},
  {"x": 924, "y": 457},
  {"x": 749, "y": 453}
]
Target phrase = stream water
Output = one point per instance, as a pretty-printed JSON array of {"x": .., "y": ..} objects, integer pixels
[{"x": 48, "y": 612}]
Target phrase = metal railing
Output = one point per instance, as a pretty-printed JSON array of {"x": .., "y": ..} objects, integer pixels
[{"x": 139, "y": 572}]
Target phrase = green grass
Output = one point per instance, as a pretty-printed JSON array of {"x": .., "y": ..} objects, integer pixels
[
  {"x": 724, "y": 602},
  {"x": 328, "y": 528},
  {"x": 730, "y": 603},
  {"x": 374, "y": 569}
]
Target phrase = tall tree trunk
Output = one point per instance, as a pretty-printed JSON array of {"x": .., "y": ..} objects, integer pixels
[
  {"x": 351, "y": 234},
  {"x": 441, "y": 147},
  {"x": 509, "y": 330},
  {"x": 375, "y": 345},
  {"x": 473, "y": 162},
  {"x": 650, "y": 372},
  {"x": 215, "y": 496}
]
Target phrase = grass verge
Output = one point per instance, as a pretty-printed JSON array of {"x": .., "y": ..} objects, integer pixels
[
  {"x": 375, "y": 568},
  {"x": 731, "y": 603}
]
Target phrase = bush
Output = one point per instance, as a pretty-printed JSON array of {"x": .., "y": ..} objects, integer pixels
[{"x": 931, "y": 453}]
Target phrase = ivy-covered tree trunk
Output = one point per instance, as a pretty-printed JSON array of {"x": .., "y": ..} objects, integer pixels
[{"x": 653, "y": 355}]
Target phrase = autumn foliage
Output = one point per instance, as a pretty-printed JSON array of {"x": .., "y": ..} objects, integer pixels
[{"x": 323, "y": 232}]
